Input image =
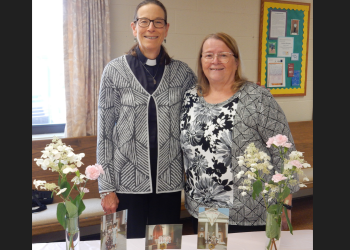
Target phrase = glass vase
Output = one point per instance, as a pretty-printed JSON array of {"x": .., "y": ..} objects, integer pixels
[
  {"x": 72, "y": 233},
  {"x": 273, "y": 231}
]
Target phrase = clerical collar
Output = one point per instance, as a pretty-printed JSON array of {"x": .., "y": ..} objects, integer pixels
[{"x": 145, "y": 60}]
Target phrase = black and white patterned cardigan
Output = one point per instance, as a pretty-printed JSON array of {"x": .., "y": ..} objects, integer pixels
[
  {"x": 122, "y": 140},
  {"x": 258, "y": 117}
]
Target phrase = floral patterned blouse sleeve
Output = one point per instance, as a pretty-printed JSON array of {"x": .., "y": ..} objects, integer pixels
[{"x": 272, "y": 121}]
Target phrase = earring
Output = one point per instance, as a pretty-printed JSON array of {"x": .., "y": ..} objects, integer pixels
[
  {"x": 164, "y": 40},
  {"x": 135, "y": 40}
]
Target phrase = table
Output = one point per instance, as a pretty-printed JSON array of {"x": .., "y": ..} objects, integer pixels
[{"x": 300, "y": 240}]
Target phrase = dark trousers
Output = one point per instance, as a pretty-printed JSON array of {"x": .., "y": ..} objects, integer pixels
[
  {"x": 149, "y": 209},
  {"x": 231, "y": 228}
]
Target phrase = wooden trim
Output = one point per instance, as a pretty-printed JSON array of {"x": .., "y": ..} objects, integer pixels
[
  {"x": 309, "y": 184},
  {"x": 55, "y": 227},
  {"x": 302, "y": 133},
  {"x": 183, "y": 206}
]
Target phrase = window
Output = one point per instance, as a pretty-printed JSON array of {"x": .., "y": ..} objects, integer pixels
[{"x": 48, "y": 96}]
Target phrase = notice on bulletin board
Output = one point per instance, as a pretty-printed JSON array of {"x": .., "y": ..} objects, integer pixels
[
  {"x": 278, "y": 23},
  {"x": 285, "y": 46},
  {"x": 275, "y": 72}
]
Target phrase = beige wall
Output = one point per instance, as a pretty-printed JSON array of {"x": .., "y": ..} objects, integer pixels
[{"x": 191, "y": 20}]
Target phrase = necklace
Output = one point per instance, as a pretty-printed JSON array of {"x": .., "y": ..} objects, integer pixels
[{"x": 154, "y": 80}]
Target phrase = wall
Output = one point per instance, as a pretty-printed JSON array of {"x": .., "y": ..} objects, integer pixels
[{"x": 191, "y": 20}]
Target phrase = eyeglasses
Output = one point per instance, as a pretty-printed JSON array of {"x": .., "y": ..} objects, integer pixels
[
  {"x": 223, "y": 57},
  {"x": 145, "y": 22}
]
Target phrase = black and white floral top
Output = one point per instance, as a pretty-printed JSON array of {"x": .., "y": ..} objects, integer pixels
[{"x": 206, "y": 141}]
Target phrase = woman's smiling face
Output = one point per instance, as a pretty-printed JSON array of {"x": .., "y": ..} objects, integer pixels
[
  {"x": 215, "y": 71},
  {"x": 150, "y": 38}
]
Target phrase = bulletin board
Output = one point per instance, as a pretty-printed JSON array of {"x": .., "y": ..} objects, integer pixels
[{"x": 283, "y": 47}]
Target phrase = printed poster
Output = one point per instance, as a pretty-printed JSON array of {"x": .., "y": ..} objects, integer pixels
[
  {"x": 113, "y": 231},
  {"x": 212, "y": 228},
  {"x": 163, "y": 236}
]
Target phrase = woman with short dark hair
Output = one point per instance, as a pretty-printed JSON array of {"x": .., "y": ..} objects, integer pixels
[{"x": 138, "y": 126}]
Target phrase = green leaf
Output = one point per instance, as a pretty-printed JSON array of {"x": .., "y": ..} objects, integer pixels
[
  {"x": 71, "y": 209},
  {"x": 79, "y": 203},
  {"x": 65, "y": 184},
  {"x": 288, "y": 221},
  {"x": 285, "y": 150},
  {"x": 81, "y": 207},
  {"x": 257, "y": 188},
  {"x": 284, "y": 194},
  {"x": 76, "y": 200},
  {"x": 273, "y": 209},
  {"x": 60, "y": 164},
  {"x": 61, "y": 212}
]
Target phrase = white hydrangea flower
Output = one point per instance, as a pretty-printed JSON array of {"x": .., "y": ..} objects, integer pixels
[
  {"x": 239, "y": 175},
  {"x": 253, "y": 169},
  {"x": 38, "y": 161},
  {"x": 240, "y": 158},
  {"x": 243, "y": 193},
  {"x": 61, "y": 191},
  {"x": 38, "y": 183},
  {"x": 306, "y": 165},
  {"x": 288, "y": 166},
  {"x": 265, "y": 191},
  {"x": 69, "y": 170},
  {"x": 57, "y": 156},
  {"x": 77, "y": 180},
  {"x": 270, "y": 167},
  {"x": 251, "y": 177},
  {"x": 240, "y": 163}
]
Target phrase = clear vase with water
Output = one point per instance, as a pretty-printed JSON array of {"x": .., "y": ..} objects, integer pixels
[
  {"x": 72, "y": 233},
  {"x": 273, "y": 231}
]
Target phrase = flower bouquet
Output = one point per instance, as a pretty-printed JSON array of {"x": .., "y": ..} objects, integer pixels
[
  {"x": 60, "y": 158},
  {"x": 275, "y": 191}
]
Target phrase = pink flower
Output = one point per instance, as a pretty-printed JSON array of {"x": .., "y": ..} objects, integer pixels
[
  {"x": 100, "y": 168},
  {"x": 278, "y": 177},
  {"x": 93, "y": 171},
  {"x": 296, "y": 163},
  {"x": 270, "y": 142},
  {"x": 85, "y": 190},
  {"x": 278, "y": 140}
]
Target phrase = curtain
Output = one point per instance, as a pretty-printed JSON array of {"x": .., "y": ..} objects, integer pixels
[{"x": 86, "y": 30}]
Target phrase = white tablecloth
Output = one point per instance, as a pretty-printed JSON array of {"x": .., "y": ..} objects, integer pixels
[{"x": 300, "y": 240}]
